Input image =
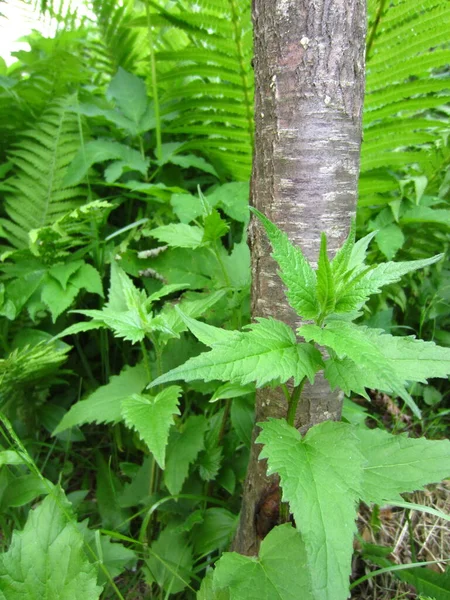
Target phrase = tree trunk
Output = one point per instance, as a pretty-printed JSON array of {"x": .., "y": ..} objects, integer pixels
[{"x": 309, "y": 70}]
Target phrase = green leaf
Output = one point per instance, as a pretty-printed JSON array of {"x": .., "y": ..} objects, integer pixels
[
  {"x": 396, "y": 464},
  {"x": 210, "y": 462},
  {"x": 187, "y": 161},
  {"x": 57, "y": 298},
  {"x": 179, "y": 235},
  {"x": 107, "y": 495},
  {"x": 24, "y": 489},
  {"x": 344, "y": 374},
  {"x": 325, "y": 281},
  {"x": 242, "y": 416},
  {"x": 186, "y": 207},
  {"x": 321, "y": 479},
  {"x": 359, "y": 251},
  {"x": 366, "y": 282},
  {"x": 97, "y": 151},
  {"x": 62, "y": 272},
  {"x": 88, "y": 278},
  {"x": 296, "y": 272},
  {"x": 182, "y": 450},
  {"x": 215, "y": 532},
  {"x": 373, "y": 353},
  {"x": 104, "y": 405},
  {"x": 267, "y": 352},
  {"x": 233, "y": 199},
  {"x": 113, "y": 556},
  {"x": 214, "y": 227},
  {"x": 206, "y": 591},
  {"x": 152, "y": 417},
  {"x": 280, "y": 572},
  {"x": 47, "y": 559},
  {"x": 390, "y": 239},
  {"x": 130, "y": 95},
  {"x": 341, "y": 260},
  {"x": 170, "y": 561},
  {"x": 232, "y": 390}
]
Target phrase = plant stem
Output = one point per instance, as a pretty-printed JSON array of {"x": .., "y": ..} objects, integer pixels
[
  {"x": 154, "y": 86},
  {"x": 216, "y": 253},
  {"x": 375, "y": 27},
  {"x": 146, "y": 360},
  {"x": 293, "y": 403}
]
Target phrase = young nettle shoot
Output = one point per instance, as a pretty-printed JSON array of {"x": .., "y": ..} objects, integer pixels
[{"x": 327, "y": 472}]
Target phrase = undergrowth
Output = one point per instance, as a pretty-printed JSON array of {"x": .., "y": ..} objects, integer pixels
[{"x": 125, "y": 154}]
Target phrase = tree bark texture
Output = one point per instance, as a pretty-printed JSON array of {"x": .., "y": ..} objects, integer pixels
[{"x": 309, "y": 71}]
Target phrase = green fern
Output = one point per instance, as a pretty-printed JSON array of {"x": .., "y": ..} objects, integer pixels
[
  {"x": 37, "y": 194},
  {"x": 207, "y": 83},
  {"x": 117, "y": 44},
  {"x": 406, "y": 83},
  {"x": 27, "y": 373}
]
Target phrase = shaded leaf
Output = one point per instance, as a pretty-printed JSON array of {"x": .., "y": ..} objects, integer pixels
[{"x": 152, "y": 417}]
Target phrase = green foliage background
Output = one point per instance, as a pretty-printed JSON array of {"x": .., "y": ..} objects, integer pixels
[{"x": 125, "y": 155}]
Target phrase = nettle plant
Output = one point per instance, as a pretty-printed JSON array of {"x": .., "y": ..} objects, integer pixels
[{"x": 328, "y": 471}]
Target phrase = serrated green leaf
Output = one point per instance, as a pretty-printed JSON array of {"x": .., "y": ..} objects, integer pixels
[
  {"x": 210, "y": 462},
  {"x": 366, "y": 282},
  {"x": 63, "y": 272},
  {"x": 325, "y": 280},
  {"x": 214, "y": 227},
  {"x": 170, "y": 561},
  {"x": 396, "y": 464},
  {"x": 233, "y": 199},
  {"x": 368, "y": 349},
  {"x": 88, "y": 278},
  {"x": 267, "y": 352},
  {"x": 186, "y": 207},
  {"x": 182, "y": 450},
  {"x": 56, "y": 297},
  {"x": 341, "y": 260},
  {"x": 280, "y": 572},
  {"x": 412, "y": 359},
  {"x": 359, "y": 251},
  {"x": 179, "y": 235},
  {"x": 344, "y": 374},
  {"x": 296, "y": 272},
  {"x": 47, "y": 559},
  {"x": 152, "y": 417},
  {"x": 321, "y": 479},
  {"x": 104, "y": 405}
]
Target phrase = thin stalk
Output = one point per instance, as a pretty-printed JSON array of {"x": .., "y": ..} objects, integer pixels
[
  {"x": 293, "y": 403},
  {"x": 154, "y": 86},
  {"x": 146, "y": 360},
  {"x": 373, "y": 31},
  {"x": 216, "y": 253}
]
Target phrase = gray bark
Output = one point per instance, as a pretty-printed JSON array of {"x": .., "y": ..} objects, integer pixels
[{"x": 309, "y": 71}]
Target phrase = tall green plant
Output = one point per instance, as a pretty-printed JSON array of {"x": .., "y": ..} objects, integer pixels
[{"x": 326, "y": 472}]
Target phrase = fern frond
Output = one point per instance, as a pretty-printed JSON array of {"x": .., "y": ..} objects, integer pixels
[
  {"x": 29, "y": 369},
  {"x": 39, "y": 196},
  {"x": 209, "y": 80},
  {"x": 406, "y": 78},
  {"x": 118, "y": 44}
]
